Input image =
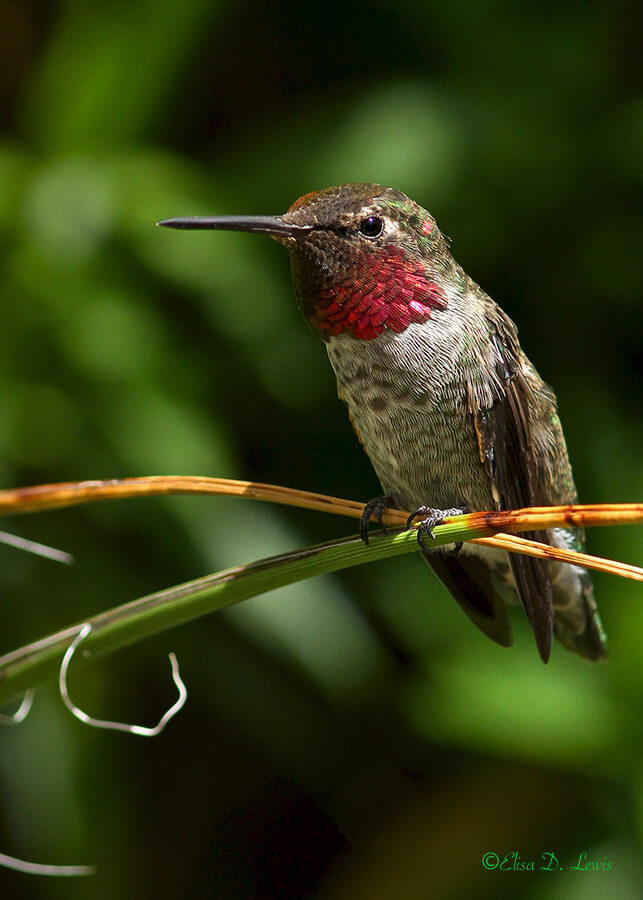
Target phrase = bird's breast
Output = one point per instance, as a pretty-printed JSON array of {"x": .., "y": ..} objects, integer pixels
[{"x": 408, "y": 404}]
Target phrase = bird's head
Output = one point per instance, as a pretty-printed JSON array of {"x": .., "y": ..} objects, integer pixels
[{"x": 365, "y": 258}]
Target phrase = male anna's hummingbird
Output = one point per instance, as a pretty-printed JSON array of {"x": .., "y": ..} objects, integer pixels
[{"x": 447, "y": 406}]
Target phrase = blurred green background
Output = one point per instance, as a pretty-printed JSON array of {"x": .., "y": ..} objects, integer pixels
[{"x": 352, "y": 736}]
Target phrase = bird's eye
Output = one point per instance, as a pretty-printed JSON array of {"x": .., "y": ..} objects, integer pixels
[{"x": 371, "y": 227}]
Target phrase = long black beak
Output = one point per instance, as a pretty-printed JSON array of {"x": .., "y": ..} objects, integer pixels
[{"x": 273, "y": 225}]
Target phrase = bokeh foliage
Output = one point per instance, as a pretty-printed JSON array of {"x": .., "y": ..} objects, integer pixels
[{"x": 352, "y": 736}]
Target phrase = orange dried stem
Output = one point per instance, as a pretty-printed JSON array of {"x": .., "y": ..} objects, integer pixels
[
  {"x": 53, "y": 496},
  {"x": 71, "y": 493},
  {"x": 515, "y": 544}
]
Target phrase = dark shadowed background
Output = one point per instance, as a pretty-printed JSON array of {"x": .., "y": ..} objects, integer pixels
[{"x": 351, "y": 736}]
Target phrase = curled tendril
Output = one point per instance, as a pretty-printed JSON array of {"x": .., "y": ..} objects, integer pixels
[
  {"x": 140, "y": 730},
  {"x": 34, "y": 547},
  {"x": 21, "y": 713},
  {"x": 31, "y": 868}
]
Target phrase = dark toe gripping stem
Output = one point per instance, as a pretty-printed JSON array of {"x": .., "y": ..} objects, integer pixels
[{"x": 376, "y": 507}]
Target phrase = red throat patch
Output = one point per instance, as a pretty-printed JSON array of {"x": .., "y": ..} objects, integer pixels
[{"x": 381, "y": 291}]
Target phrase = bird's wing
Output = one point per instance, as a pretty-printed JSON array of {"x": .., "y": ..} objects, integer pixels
[{"x": 505, "y": 443}]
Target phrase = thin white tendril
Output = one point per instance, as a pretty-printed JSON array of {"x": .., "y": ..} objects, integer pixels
[
  {"x": 34, "y": 547},
  {"x": 21, "y": 713},
  {"x": 21, "y": 865},
  {"x": 140, "y": 730}
]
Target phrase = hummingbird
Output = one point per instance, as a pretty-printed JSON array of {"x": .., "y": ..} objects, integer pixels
[{"x": 449, "y": 409}]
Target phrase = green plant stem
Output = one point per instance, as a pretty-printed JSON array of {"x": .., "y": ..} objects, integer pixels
[{"x": 116, "y": 628}]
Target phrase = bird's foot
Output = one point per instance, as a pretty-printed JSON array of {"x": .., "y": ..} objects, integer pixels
[
  {"x": 376, "y": 507},
  {"x": 432, "y": 518}
]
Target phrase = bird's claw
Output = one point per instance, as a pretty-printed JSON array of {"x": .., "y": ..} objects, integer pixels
[
  {"x": 375, "y": 507},
  {"x": 431, "y": 519}
]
